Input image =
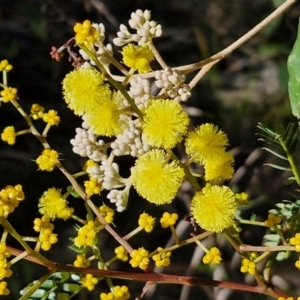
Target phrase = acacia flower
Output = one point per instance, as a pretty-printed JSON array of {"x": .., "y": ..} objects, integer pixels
[
  {"x": 107, "y": 213},
  {"x": 121, "y": 253},
  {"x": 214, "y": 207},
  {"x": 295, "y": 241},
  {"x": 273, "y": 220},
  {"x": 219, "y": 167},
  {"x": 3, "y": 288},
  {"x": 156, "y": 179},
  {"x": 205, "y": 142},
  {"x": 9, "y": 135},
  {"x": 5, "y": 65},
  {"x": 242, "y": 198},
  {"x": 162, "y": 259},
  {"x": 297, "y": 263},
  {"x": 43, "y": 223},
  {"x": 212, "y": 257},
  {"x": 47, "y": 160},
  {"x": 89, "y": 281},
  {"x": 85, "y": 33},
  {"x": 36, "y": 111},
  {"x": 168, "y": 219},
  {"x": 92, "y": 186},
  {"x": 108, "y": 118},
  {"x": 9, "y": 94},
  {"x": 164, "y": 123},
  {"x": 10, "y": 197},
  {"x": 138, "y": 57},
  {"x": 47, "y": 238},
  {"x": 146, "y": 221},
  {"x": 81, "y": 261},
  {"x": 248, "y": 266},
  {"x": 83, "y": 90},
  {"x": 86, "y": 235},
  {"x": 139, "y": 258},
  {"x": 117, "y": 293},
  {"x": 51, "y": 117},
  {"x": 53, "y": 205}
]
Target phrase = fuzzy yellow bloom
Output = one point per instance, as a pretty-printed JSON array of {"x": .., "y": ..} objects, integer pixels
[
  {"x": 53, "y": 205},
  {"x": 9, "y": 135},
  {"x": 164, "y": 123},
  {"x": 214, "y": 207},
  {"x": 108, "y": 119},
  {"x": 84, "y": 90},
  {"x": 219, "y": 167},
  {"x": 156, "y": 179},
  {"x": 146, "y": 221},
  {"x": 47, "y": 160},
  {"x": 137, "y": 57},
  {"x": 205, "y": 142},
  {"x": 8, "y": 94}
]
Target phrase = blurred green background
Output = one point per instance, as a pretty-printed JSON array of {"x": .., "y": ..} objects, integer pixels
[{"x": 248, "y": 86}]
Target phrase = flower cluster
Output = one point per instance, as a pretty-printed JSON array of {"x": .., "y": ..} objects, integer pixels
[
  {"x": 47, "y": 160},
  {"x": 139, "y": 258},
  {"x": 273, "y": 220},
  {"x": 212, "y": 257},
  {"x": 45, "y": 228},
  {"x": 89, "y": 281},
  {"x": 86, "y": 235},
  {"x": 168, "y": 219},
  {"x": 295, "y": 241},
  {"x": 117, "y": 293},
  {"x": 10, "y": 198},
  {"x": 146, "y": 221},
  {"x": 248, "y": 266},
  {"x": 121, "y": 253},
  {"x": 4, "y": 269},
  {"x": 162, "y": 259}
]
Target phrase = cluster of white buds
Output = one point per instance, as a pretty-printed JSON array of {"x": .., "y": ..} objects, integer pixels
[
  {"x": 119, "y": 197},
  {"x": 85, "y": 144},
  {"x": 172, "y": 83},
  {"x": 140, "y": 91},
  {"x": 101, "y": 54},
  {"x": 129, "y": 142},
  {"x": 145, "y": 29},
  {"x": 112, "y": 178},
  {"x": 94, "y": 171},
  {"x": 101, "y": 29}
]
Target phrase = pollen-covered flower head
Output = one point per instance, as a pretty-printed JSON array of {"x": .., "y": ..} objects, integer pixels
[
  {"x": 155, "y": 178},
  {"x": 53, "y": 205},
  {"x": 138, "y": 57},
  {"x": 108, "y": 118},
  {"x": 164, "y": 123},
  {"x": 205, "y": 142},
  {"x": 85, "y": 33},
  {"x": 214, "y": 207},
  {"x": 219, "y": 167},
  {"x": 84, "y": 90}
]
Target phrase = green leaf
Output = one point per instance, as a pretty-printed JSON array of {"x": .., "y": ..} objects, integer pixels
[
  {"x": 278, "y": 167},
  {"x": 275, "y": 153},
  {"x": 293, "y": 65},
  {"x": 289, "y": 181}
]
